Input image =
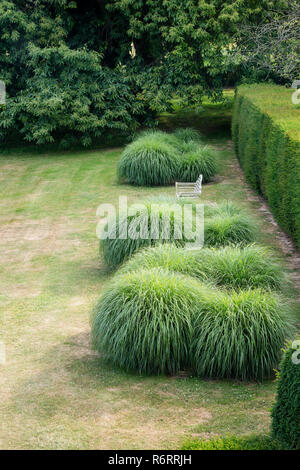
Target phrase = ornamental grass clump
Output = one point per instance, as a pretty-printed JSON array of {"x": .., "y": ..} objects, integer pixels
[
  {"x": 187, "y": 134},
  {"x": 143, "y": 321},
  {"x": 226, "y": 208},
  {"x": 198, "y": 161},
  {"x": 151, "y": 160},
  {"x": 127, "y": 233},
  {"x": 239, "y": 334},
  {"x": 221, "y": 230},
  {"x": 232, "y": 267}
]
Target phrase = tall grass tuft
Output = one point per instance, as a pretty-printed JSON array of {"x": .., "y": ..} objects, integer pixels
[
  {"x": 147, "y": 232},
  {"x": 151, "y": 160},
  {"x": 231, "y": 267},
  {"x": 187, "y": 134},
  {"x": 143, "y": 322},
  {"x": 225, "y": 208},
  {"x": 221, "y": 230},
  {"x": 239, "y": 335},
  {"x": 198, "y": 161}
]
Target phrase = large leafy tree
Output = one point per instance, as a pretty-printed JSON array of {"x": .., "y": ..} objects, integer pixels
[
  {"x": 76, "y": 69},
  {"x": 271, "y": 47}
]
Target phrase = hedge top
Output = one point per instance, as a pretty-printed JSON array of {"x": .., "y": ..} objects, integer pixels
[{"x": 276, "y": 102}]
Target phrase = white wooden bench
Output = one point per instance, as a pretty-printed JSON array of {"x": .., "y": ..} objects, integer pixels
[{"x": 189, "y": 189}]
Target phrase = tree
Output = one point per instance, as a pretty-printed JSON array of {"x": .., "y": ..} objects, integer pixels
[
  {"x": 71, "y": 75},
  {"x": 272, "y": 46}
]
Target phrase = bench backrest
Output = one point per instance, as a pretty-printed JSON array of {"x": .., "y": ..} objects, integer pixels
[{"x": 198, "y": 183}]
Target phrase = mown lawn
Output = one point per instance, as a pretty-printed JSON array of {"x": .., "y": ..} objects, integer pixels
[{"x": 55, "y": 391}]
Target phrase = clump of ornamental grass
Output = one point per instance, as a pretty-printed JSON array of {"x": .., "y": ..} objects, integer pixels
[
  {"x": 226, "y": 208},
  {"x": 151, "y": 160},
  {"x": 128, "y": 233},
  {"x": 239, "y": 267},
  {"x": 221, "y": 230},
  {"x": 168, "y": 257},
  {"x": 239, "y": 335},
  {"x": 198, "y": 161},
  {"x": 232, "y": 267},
  {"x": 188, "y": 134},
  {"x": 115, "y": 248},
  {"x": 143, "y": 321}
]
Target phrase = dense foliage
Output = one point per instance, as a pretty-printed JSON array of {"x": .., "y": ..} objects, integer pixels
[
  {"x": 266, "y": 136},
  {"x": 151, "y": 160},
  {"x": 143, "y": 322},
  {"x": 77, "y": 69},
  {"x": 233, "y": 443},
  {"x": 286, "y": 411},
  {"x": 233, "y": 267},
  {"x": 156, "y": 158},
  {"x": 222, "y": 230},
  {"x": 198, "y": 160},
  {"x": 156, "y": 321},
  {"x": 145, "y": 228},
  {"x": 239, "y": 334},
  {"x": 187, "y": 135}
]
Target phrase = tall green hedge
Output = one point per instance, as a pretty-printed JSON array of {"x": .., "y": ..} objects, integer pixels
[
  {"x": 266, "y": 135},
  {"x": 286, "y": 411}
]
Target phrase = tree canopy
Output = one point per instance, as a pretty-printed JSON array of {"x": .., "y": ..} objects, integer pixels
[{"x": 76, "y": 69}]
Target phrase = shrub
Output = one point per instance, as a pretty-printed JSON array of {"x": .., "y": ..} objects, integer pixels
[
  {"x": 201, "y": 160},
  {"x": 266, "y": 135},
  {"x": 223, "y": 230},
  {"x": 286, "y": 411},
  {"x": 226, "y": 208},
  {"x": 161, "y": 136},
  {"x": 116, "y": 249},
  {"x": 233, "y": 443},
  {"x": 151, "y": 160},
  {"x": 168, "y": 257},
  {"x": 143, "y": 322},
  {"x": 187, "y": 134},
  {"x": 238, "y": 267},
  {"x": 239, "y": 335},
  {"x": 234, "y": 267}
]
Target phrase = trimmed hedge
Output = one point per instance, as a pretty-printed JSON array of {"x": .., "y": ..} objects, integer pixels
[
  {"x": 266, "y": 135},
  {"x": 286, "y": 411},
  {"x": 233, "y": 443}
]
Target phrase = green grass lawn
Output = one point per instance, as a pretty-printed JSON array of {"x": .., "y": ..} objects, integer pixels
[{"x": 55, "y": 390}]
